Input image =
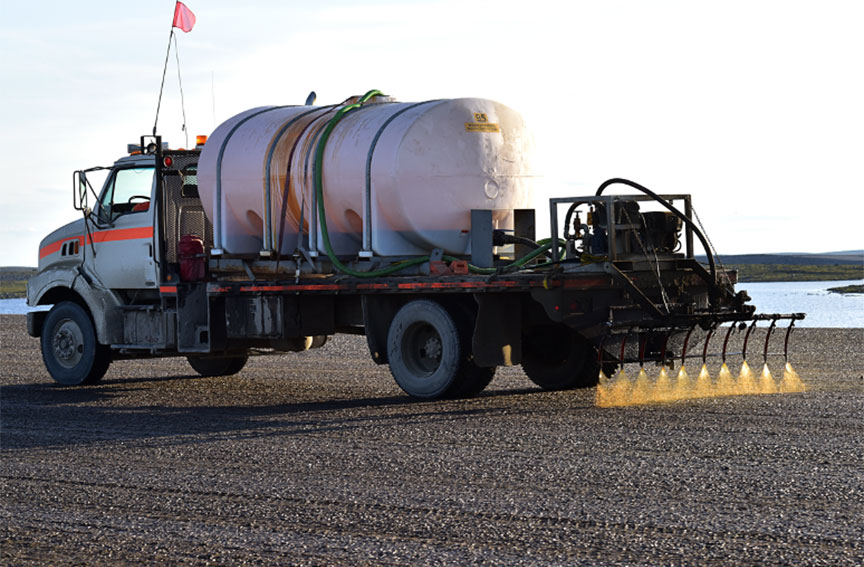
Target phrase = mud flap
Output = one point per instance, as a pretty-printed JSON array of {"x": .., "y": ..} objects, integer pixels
[
  {"x": 378, "y": 312},
  {"x": 193, "y": 321},
  {"x": 497, "y": 339}
]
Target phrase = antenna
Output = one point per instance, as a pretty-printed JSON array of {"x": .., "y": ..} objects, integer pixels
[
  {"x": 213, "y": 95},
  {"x": 180, "y": 80},
  {"x": 162, "y": 86}
]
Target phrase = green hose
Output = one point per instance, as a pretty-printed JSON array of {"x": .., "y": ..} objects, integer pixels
[
  {"x": 517, "y": 264},
  {"x": 393, "y": 268}
]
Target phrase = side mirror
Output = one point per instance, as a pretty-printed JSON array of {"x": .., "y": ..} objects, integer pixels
[{"x": 79, "y": 191}]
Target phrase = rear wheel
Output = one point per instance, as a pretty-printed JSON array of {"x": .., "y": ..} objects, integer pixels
[
  {"x": 429, "y": 355},
  {"x": 556, "y": 357},
  {"x": 217, "y": 366},
  {"x": 70, "y": 350},
  {"x": 471, "y": 381}
]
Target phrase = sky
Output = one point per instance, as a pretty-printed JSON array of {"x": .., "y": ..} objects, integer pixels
[{"x": 754, "y": 107}]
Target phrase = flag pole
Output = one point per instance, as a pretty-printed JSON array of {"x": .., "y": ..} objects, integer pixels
[
  {"x": 180, "y": 81},
  {"x": 162, "y": 86}
]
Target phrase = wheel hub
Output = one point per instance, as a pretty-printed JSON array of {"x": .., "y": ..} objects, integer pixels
[
  {"x": 432, "y": 348},
  {"x": 68, "y": 343},
  {"x": 423, "y": 349}
]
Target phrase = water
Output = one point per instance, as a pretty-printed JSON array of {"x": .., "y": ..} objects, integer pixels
[
  {"x": 823, "y": 309},
  {"x": 18, "y": 307}
]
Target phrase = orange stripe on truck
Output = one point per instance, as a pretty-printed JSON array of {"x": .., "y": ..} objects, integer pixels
[
  {"x": 100, "y": 236},
  {"x": 123, "y": 234},
  {"x": 55, "y": 246}
]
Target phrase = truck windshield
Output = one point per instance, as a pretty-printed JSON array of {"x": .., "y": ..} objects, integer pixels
[{"x": 127, "y": 191}]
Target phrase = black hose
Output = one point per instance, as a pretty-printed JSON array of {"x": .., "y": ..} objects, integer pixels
[
  {"x": 674, "y": 210},
  {"x": 501, "y": 238},
  {"x": 521, "y": 240},
  {"x": 568, "y": 218}
]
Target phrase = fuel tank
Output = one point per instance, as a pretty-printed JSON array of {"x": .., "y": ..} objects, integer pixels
[{"x": 422, "y": 167}]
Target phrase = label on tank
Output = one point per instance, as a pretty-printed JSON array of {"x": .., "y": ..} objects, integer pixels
[{"x": 481, "y": 124}]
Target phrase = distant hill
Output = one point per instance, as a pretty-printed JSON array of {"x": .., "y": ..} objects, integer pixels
[
  {"x": 831, "y": 266},
  {"x": 837, "y": 253},
  {"x": 12, "y": 273},
  {"x": 13, "y": 281},
  {"x": 831, "y": 259}
]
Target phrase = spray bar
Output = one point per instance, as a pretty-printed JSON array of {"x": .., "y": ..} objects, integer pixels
[
  {"x": 628, "y": 329},
  {"x": 621, "y": 390},
  {"x": 685, "y": 322}
]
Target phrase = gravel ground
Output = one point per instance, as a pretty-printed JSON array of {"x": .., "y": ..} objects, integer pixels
[{"x": 318, "y": 459}]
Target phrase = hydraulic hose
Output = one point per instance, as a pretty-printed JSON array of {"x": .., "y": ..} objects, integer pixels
[
  {"x": 398, "y": 266},
  {"x": 674, "y": 210},
  {"x": 501, "y": 238}
]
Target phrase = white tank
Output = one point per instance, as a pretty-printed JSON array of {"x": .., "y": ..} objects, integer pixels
[{"x": 429, "y": 164}]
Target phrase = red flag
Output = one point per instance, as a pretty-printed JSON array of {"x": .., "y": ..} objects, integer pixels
[{"x": 183, "y": 17}]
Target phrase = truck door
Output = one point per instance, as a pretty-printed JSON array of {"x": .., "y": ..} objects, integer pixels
[{"x": 124, "y": 237}]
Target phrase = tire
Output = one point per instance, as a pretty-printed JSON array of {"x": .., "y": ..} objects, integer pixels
[
  {"x": 556, "y": 357},
  {"x": 217, "y": 366},
  {"x": 70, "y": 349},
  {"x": 430, "y": 355},
  {"x": 424, "y": 350},
  {"x": 472, "y": 380}
]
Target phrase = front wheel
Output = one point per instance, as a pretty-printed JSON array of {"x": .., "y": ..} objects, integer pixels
[
  {"x": 217, "y": 366},
  {"x": 556, "y": 357},
  {"x": 70, "y": 350}
]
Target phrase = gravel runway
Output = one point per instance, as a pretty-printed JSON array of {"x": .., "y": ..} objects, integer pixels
[{"x": 318, "y": 458}]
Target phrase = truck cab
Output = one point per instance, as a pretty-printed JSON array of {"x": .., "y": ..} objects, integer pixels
[
  {"x": 118, "y": 227},
  {"x": 103, "y": 272}
]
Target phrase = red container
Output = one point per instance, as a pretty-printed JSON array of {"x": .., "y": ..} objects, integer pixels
[{"x": 190, "y": 251}]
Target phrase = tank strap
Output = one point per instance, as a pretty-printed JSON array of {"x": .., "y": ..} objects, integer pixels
[
  {"x": 367, "y": 207},
  {"x": 217, "y": 221},
  {"x": 311, "y": 156},
  {"x": 287, "y": 187},
  {"x": 267, "y": 237}
]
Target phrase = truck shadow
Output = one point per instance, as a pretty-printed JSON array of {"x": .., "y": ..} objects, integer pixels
[{"x": 49, "y": 416}]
